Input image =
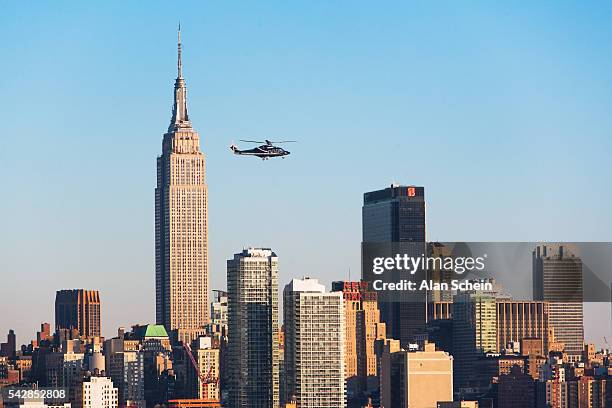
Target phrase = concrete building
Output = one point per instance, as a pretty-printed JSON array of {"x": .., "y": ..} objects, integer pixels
[
  {"x": 362, "y": 328},
  {"x": 78, "y": 309},
  {"x": 314, "y": 345},
  {"x": 99, "y": 392},
  {"x": 415, "y": 379},
  {"x": 9, "y": 348},
  {"x": 439, "y": 275},
  {"x": 44, "y": 334},
  {"x": 474, "y": 333},
  {"x": 218, "y": 330},
  {"x": 516, "y": 390},
  {"x": 181, "y": 225},
  {"x": 397, "y": 215},
  {"x": 208, "y": 363},
  {"x": 218, "y": 311},
  {"x": 557, "y": 279},
  {"x": 64, "y": 368},
  {"x": 126, "y": 370},
  {"x": 518, "y": 320},
  {"x": 253, "y": 362},
  {"x": 40, "y": 403}
]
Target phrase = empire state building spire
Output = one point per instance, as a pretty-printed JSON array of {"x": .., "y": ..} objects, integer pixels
[
  {"x": 180, "y": 118},
  {"x": 180, "y": 60}
]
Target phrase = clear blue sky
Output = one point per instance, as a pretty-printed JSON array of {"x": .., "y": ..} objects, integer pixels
[{"x": 502, "y": 111}]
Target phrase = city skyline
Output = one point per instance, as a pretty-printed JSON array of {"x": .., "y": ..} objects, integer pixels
[{"x": 77, "y": 214}]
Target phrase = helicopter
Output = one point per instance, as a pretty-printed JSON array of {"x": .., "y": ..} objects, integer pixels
[{"x": 265, "y": 151}]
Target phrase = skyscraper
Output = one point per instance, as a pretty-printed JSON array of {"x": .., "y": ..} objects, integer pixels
[
  {"x": 557, "y": 278},
  {"x": 397, "y": 215},
  {"x": 181, "y": 224},
  {"x": 519, "y": 320},
  {"x": 362, "y": 328},
  {"x": 78, "y": 309},
  {"x": 474, "y": 331},
  {"x": 252, "y": 291},
  {"x": 314, "y": 344},
  {"x": 394, "y": 214}
]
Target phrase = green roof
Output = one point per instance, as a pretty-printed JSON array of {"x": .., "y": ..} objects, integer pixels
[{"x": 151, "y": 330}]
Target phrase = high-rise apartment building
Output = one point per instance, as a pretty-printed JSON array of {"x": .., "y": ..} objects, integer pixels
[
  {"x": 78, "y": 309},
  {"x": 397, "y": 215},
  {"x": 557, "y": 279},
  {"x": 314, "y": 345},
  {"x": 362, "y": 328},
  {"x": 253, "y": 362},
  {"x": 126, "y": 370},
  {"x": 474, "y": 331},
  {"x": 519, "y": 320},
  {"x": 415, "y": 379},
  {"x": 181, "y": 225}
]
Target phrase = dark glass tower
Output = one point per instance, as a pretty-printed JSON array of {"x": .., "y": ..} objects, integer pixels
[{"x": 397, "y": 215}]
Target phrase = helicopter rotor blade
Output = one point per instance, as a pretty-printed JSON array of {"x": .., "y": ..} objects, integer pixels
[
  {"x": 251, "y": 141},
  {"x": 286, "y": 141}
]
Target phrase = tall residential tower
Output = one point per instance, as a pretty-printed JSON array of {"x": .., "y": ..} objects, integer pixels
[
  {"x": 314, "y": 345},
  {"x": 253, "y": 352},
  {"x": 181, "y": 224}
]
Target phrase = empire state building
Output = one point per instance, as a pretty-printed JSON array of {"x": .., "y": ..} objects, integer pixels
[{"x": 181, "y": 224}]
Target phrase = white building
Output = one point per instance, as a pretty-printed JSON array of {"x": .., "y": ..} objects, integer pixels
[
  {"x": 98, "y": 392},
  {"x": 39, "y": 403},
  {"x": 314, "y": 345}
]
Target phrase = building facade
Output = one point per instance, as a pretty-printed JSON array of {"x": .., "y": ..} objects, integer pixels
[
  {"x": 99, "y": 392},
  {"x": 474, "y": 332},
  {"x": 519, "y": 320},
  {"x": 415, "y": 379},
  {"x": 78, "y": 309},
  {"x": 253, "y": 362},
  {"x": 181, "y": 225},
  {"x": 314, "y": 345},
  {"x": 126, "y": 370},
  {"x": 362, "y": 328},
  {"x": 557, "y": 279},
  {"x": 204, "y": 383},
  {"x": 397, "y": 215}
]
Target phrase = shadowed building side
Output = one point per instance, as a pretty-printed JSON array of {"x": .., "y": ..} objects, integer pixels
[{"x": 78, "y": 309}]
